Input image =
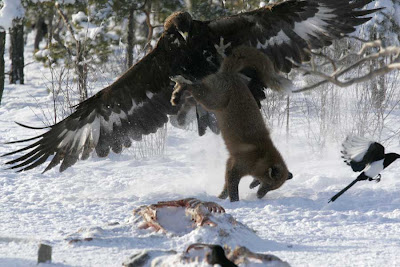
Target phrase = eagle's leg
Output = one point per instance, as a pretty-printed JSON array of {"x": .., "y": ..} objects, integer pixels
[{"x": 179, "y": 88}]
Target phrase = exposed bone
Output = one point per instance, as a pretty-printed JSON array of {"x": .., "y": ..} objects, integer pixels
[{"x": 199, "y": 211}]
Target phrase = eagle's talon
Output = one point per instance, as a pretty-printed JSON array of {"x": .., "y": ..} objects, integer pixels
[{"x": 222, "y": 47}]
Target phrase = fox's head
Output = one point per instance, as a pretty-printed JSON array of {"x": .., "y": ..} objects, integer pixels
[{"x": 272, "y": 173}]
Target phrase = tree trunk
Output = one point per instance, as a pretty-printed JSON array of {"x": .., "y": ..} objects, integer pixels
[
  {"x": 151, "y": 29},
  {"x": 377, "y": 84},
  {"x": 41, "y": 31},
  {"x": 147, "y": 12},
  {"x": 81, "y": 68},
  {"x": 287, "y": 116},
  {"x": 380, "y": 93},
  {"x": 131, "y": 37},
  {"x": 2, "y": 50},
  {"x": 50, "y": 27},
  {"x": 17, "y": 52},
  {"x": 189, "y": 5}
]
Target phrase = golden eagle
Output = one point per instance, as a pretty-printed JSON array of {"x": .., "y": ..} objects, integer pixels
[{"x": 138, "y": 103}]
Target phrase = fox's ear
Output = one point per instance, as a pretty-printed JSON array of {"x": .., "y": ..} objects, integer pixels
[{"x": 275, "y": 171}]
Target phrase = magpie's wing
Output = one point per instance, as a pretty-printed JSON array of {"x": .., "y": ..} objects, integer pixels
[
  {"x": 284, "y": 30},
  {"x": 134, "y": 105},
  {"x": 358, "y": 152}
]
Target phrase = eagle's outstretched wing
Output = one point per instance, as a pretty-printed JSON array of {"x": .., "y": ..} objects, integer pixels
[
  {"x": 359, "y": 152},
  {"x": 284, "y": 30},
  {"x": 134, "y": 105}
]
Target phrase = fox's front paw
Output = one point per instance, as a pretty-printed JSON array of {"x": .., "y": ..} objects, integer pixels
[
  {"x": 176, "y": 94},
  {"x": 224, "y": 194},
  {"x": 254, "y": 183}
]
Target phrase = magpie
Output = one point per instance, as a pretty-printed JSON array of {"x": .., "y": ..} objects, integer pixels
[{"x": 367, "y": 157}]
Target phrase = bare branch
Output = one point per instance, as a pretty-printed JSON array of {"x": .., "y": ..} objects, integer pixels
[
  {"x": 66, "y": 21},
  {"x": 373, "y": 44},
  {"x": 319, "y": 54},
  {"x": 363, "y": 56},
  {"x": 356, "y": 38}
]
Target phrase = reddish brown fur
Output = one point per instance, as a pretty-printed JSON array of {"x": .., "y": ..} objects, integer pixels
[{"x": 251, "y": 151}]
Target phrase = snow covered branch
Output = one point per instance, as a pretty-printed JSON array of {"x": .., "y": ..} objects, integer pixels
[
  {"x": 80, "y": 64},
  {"x": 12, "y": 9},
  {"x": 367, "y": 56}
]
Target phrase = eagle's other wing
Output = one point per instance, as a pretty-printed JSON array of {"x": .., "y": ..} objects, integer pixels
[
  {"x": 284, "y": 30},
  {"x": 136, "y": 104},
  {"x": 358, "y": 152}
]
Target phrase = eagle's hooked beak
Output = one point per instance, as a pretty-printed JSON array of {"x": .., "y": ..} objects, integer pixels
[{"x": 184, "y": 35}]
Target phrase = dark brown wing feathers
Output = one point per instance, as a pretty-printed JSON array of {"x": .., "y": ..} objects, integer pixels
[
  {"x": 284, "y": 30},
  {"x": 136, "y": 104}
]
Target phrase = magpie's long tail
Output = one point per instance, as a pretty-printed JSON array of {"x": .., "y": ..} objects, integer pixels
[{"x": 345, "y": 189}]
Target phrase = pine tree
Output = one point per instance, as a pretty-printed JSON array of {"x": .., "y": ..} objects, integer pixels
[
  {"x": 17, "y": 51},
  {"x": 2, "y": 50}
]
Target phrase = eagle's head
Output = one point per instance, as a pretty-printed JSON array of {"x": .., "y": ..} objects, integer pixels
[{"x": 179, "y": 22}]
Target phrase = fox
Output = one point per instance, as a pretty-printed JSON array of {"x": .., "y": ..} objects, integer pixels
[{"x": 245, "y": 134}]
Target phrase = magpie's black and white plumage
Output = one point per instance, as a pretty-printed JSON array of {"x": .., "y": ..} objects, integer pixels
[
  {"x": 138, "y": 103},
  {"x": 367, "y": 157}
]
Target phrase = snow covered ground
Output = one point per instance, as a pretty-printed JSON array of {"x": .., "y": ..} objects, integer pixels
[{"x": 295, "y": 222}]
